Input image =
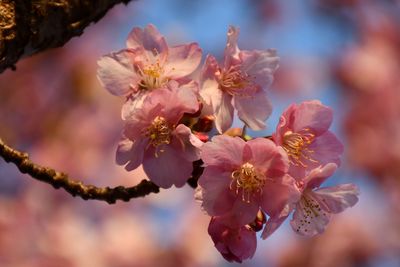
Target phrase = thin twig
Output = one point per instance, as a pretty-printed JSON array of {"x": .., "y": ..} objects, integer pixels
[{"x": 75, "y": 188}]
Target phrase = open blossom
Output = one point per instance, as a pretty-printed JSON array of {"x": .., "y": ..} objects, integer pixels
[
  {"x": 303, "y": 133},
  {"x": 147, "y": 63},
  {"x": 240, "y": 83},
  {"x": 154, "y": 137},
  {"x": 240, "y": 177},
  {"x": 314, "y": 209},
  {"x": 234, "y": 244}
]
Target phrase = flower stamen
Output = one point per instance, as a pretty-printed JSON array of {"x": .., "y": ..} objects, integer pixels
[
  {"x": 248, "y": 180},
  {"x": 152, "y": 74},
  {"x": 296, "y": 146},
  {"x": 159, "y": 133},
  {"x": 233, "y": 81}
]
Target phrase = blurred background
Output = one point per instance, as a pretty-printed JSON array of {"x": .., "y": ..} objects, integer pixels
[{"x": 344, "y": 52}]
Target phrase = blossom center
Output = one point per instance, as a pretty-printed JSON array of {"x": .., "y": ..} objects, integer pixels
[
  {"x": 159, "y": 133},
  {"x": 152, "y": 76},
  {"x": 296, "y": 146},
  {"x": 233, "y": 80},
  {"x": 247, "y": 179}
]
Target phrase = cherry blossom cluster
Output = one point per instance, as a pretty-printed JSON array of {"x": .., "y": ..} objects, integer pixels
[{"x": 248, "y": 184}]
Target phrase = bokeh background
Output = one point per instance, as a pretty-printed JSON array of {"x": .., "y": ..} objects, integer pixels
[{"x": 344, "y": 52}]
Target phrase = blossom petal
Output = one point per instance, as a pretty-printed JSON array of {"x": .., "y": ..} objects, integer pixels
[
  {"x": 277, "y": 194},
  {"x": 326, "y": 148},
  {"x": 223, "y": 151},
  {"x": 182, "y": 60},
  {"x": 267, "y": 156},
  {"x": 231, "y": 53},
  {"x": 176, "y": 100},
  {"x": 260, "y": 64},
  {"x": 312, "y": 115},
  {"x": 235, "y": 244},
  {"x": 253, "y": 110},
  {"x": 240, "y": 214},
  {"x": 216, "y": 197},
  {"x": 188, "y": 142},
  {"x": 284, "y": 124},
  {"x": 223, "y": 113},
  {"x": 338, "y": 198},
  {"x": 211, "y": 96},
  {"x": 308, "y": 220},
  {"x": 318, "y": 175},
  {"x": 273, "y": 223},
  {"x": 131, "y": 152},
  {"x": 115, "y": 72},
  {"x": 148, "y": 39},
  {"x": 132, "y": 105},
  {"x": 167, "y": 168}
]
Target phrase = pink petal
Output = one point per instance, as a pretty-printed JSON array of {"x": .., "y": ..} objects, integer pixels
[
  {"x": 223, "y": 113},
  {"x": 273, "y": 223},
  {"x": 285, "y": 122},
  {"x": 338, "y": 198},
  {"x": 261, "y": 65},
  {"x": 115, "y": 72},
  {"x": 310, "y": 221},
  {"x": 176, "y": 100},
  {"x": 318, "y": 175},
  {"x": 235, "y": 244},
  {"x": 168, "y": 168},
  {"x": 148, "y": 39},
  {"x": 133, "y": 104},
  {"x": 231, "y": 52},
  {"x": 224, "y": 152},
  {"x": 253, "y": 110},
  {"x": 131, "y": 152},
  {"x": 187, "y": 142},
  {"x": 277, "y": 194},
  {"x": 312, "y": 115},
  {"x": 139, "y": 121},
  {"x": 211, "y": 95},
  {"x": 326, "y": 148},
  {"x": 264, "y": 152},
  {"x": 241, "y": 213},
  {"x": 184, "y": 98},
  {"x": 216, "y": 197},
  {"x": 182, "y": 60}
]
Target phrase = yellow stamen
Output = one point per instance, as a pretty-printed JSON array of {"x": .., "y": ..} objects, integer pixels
[
  {"x": 233, "y": 81},
  {"x": 247, "y": 179},
  {"x": 152, "y": 73},
  {"x": 159, "y": 133},
  {"x": 296, "y": 146}
]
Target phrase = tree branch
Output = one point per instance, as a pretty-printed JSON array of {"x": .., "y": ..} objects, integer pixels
[
  {"x": 61, "y": 180},
  {"x": 76, "y": 188},
  {"x": 31, "y": 26}
]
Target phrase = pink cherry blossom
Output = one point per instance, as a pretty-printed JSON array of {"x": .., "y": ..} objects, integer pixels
[
  {"x": 147, "y": 63},
  {"x": 303, "y": 133},
  {"x": 314, "y": 209},
  {"x": 234, "y": 244},
  {"x": 153, "y": 137},
  {"x": 240, "y": 177},
  {"x": 239, "y": 84}
]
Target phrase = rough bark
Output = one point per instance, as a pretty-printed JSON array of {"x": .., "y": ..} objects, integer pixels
[{"x": 31, "y": 26}]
